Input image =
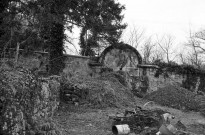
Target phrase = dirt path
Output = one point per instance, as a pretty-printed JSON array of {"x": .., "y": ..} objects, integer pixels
[{"x": 85, "y": 121}]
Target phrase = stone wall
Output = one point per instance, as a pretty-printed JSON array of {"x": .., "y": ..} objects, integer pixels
[
  {"x": 117, "y": 59},
  {"x": 191, "y": 82}
]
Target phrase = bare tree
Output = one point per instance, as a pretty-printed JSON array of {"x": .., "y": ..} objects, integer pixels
[
  {"x": 194, "y": 56},
  {"x": 157, "y": 54},
  {"x": 135, "y": 36},
  {"x": 147, "y": 50},
  {"x": 193, "y": 59},
  {"x": 182, "y": 58},
  {"x": 166, "y": 44},
  {"x": 200, "y": 38}
]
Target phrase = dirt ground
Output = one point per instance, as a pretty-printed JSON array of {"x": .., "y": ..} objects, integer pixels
[{"x": 79, "y": 120}]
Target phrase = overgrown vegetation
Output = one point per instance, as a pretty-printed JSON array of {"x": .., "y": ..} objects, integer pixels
[
  {"x": 189, "y": 72},
  {"x": 27, "y": 103},
  {"x": 40, "y": 24},
  {"x": 109, "y": 89}
]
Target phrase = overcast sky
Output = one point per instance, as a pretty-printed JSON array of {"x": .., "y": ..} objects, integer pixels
[
  {"x": 175, "y": 17},
  {"x": 159, "y": 17}
]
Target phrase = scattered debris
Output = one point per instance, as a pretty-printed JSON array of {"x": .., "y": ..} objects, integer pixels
[
  {"x": 138, "y": 120},
  {"x": 150, "y": 102},
  {"x": 147, "y": 122},
  {"x": 180, "y": 126}
]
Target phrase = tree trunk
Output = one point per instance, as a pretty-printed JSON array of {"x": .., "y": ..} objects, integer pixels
[
  {"x": 56, "y": 59},
  {"x": 4, "y": 4},
  {"x": 83, "y": 45},
  {"x": 56, "y": 47}
]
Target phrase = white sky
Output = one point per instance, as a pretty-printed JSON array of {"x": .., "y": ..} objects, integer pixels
[{"x": 175, "y": 17}]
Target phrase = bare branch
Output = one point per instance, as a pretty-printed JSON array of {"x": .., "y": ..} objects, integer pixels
[
  {"x": 76, "y": 50},
  {"x": 197, "y": 50},
  {"x": 148, "y": 50},
  {"x": 197, "y": 46},
  {"x": 166, "y": 44},
  {"x": 136, "y": 36}
]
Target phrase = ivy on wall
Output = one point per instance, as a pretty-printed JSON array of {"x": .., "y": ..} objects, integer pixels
[{"x": 189, "y": 73}]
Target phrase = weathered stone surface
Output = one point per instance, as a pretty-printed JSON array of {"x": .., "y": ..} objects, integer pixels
[{"x": 121, "y": 57}]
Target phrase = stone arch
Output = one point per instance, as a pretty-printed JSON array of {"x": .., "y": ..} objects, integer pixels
[{"x": 120, "y": 57}]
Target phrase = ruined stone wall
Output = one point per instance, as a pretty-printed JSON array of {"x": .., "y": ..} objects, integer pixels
[{"x": 191, "y": 82}]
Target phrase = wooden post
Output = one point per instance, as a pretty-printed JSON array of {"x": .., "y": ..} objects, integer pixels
[
  {"x": 17, "y": 53},
  {"x": 197, "y": 84}
]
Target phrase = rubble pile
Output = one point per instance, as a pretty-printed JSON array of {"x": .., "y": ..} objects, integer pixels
[
  {"x": 147, "y": 122},
  {"x": 71, "y": 93},
  {"x": 103, "y": 91},
  {"x": 174, "y": 96}
]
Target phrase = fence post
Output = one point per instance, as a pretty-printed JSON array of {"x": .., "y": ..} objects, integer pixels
[{"x": 17, "y": 53}]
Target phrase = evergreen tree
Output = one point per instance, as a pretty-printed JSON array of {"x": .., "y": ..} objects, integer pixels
[
  {"x": 101, "y": 23},
  {"x": 46, "y": 21}
]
